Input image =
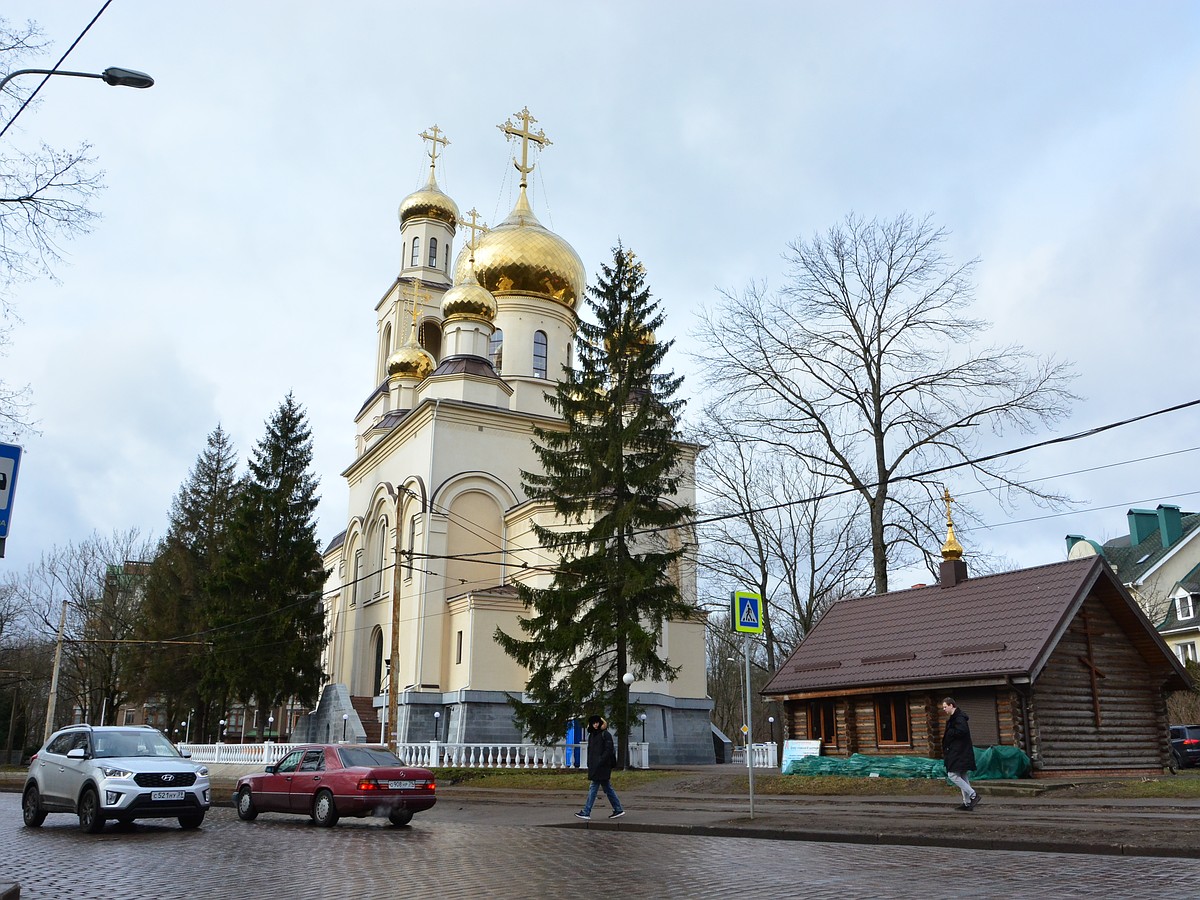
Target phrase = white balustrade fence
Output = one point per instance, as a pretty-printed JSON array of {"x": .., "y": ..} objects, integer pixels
[
  {"x": 247, "y": 754},
  {"x": 764, "y": 756},
  {"x": 433, "y": 755}
]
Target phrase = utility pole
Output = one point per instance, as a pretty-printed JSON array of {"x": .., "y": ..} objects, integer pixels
[{"x": 62, "y": 624}]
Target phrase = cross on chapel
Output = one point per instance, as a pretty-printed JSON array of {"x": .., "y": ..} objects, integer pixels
[
  {"x": 525, "y": 135},
  {"x": 1089, "y": 663}
]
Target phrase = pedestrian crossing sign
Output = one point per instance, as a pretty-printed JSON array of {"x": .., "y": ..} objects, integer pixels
[{"x": 746, "y": 612}]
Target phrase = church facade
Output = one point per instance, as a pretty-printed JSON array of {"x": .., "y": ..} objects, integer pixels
[{"x": 439, "y": 529}]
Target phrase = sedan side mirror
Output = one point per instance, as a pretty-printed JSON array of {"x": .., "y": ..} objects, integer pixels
[
  {"x": 271, "y": 769},
  {"x": 76, "y": 753}
]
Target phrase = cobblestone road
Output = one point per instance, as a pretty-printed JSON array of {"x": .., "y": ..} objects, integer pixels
[{"x": 287, "y": 858}]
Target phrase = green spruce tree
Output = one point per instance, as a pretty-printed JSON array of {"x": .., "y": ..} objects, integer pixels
[
  {"x": 611, "y": 474},
  {"x": 178, "y": 591},
  {"x": 271, "y": 630}
]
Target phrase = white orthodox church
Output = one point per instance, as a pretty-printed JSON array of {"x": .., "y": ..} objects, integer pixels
[{"x": 438, "y": 531}]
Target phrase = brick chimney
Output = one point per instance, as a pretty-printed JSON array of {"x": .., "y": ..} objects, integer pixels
[{"x": 1170, "y": 524}]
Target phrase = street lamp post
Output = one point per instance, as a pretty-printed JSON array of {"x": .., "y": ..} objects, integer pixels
[
  {"x": 345, "y": 719},
  {"x": 270, "y": 726},
  {"x": 221, "y": 736},
  {"x": 642, "y": 719},
  {"x": 628, "y": 679},
  {"x": 437, "y": 725}
]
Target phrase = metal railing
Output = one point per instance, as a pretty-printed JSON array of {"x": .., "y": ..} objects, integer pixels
[{"x": 433, "y": 754}]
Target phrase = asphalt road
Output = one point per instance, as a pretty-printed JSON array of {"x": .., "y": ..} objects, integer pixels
[{"x": 462, "y": 849}]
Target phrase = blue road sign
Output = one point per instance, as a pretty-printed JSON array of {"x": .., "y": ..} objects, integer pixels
[
  {"x": 10, "y": 462},
  {"x": 746, "y": 612}
]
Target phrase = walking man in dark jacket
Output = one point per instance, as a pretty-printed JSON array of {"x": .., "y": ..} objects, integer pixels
[
  {"x": 601, "y": 757},
  {"x": 959, "y": 753}
]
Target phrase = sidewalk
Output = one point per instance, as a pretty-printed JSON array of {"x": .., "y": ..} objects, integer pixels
[{"x": 1042, "y": 823}]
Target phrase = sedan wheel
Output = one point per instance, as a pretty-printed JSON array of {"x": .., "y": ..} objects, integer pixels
[
  {"x": 400, "y": 816},
  {"x": 245, "y": 806},
  {"x": 31, "y": 807},
  {"x": 324, "y": 813},
  {"x": 90, "y": 819}
]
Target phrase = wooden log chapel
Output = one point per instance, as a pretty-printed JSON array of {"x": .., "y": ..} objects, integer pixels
[{"x": 1058, "y": 660}]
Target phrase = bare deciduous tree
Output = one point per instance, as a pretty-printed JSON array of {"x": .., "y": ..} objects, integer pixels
[
  {"x": 44, "y": 197},
  {"x": 800, "y": 557},
  {"x": 866, "y": 368},
  {"x": 101, "y": 595}
]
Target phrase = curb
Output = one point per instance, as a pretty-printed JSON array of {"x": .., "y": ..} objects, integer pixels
[{"x": 884, "y": 838}]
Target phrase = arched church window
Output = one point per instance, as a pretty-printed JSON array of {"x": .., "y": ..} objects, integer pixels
[
  {"x": 433, "y": 253},
  {"x": 377, "y": 640},
  {"x": 378, "y": 557},
  {"x": 539, "y": 354},
  {"x": 496, "y": 349},
  {"x": 416, "y": 253}
]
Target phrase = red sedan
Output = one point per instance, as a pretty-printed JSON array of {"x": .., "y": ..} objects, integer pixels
[{"x": 328, "y": 781}]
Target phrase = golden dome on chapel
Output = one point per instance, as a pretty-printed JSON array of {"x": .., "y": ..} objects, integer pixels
[
  {"x": 468, "y": 300},
  {"x": 429, "y": 202},
  {"x": 522, "y": 256},
  {"x": 410, "y": 361}
]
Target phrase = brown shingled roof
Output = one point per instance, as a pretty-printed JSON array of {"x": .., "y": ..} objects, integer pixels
[{"x": 993, "y": 626}]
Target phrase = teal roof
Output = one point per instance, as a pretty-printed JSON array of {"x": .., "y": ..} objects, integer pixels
[{"x": 1133, "y": 561}]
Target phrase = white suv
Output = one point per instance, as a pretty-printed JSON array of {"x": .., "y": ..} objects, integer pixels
[{"x": 114, "y": 772}]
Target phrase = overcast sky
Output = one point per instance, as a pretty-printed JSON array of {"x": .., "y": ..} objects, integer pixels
[{"x": 249, "y": 222}]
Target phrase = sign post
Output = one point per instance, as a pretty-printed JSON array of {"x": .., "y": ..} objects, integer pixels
[
  {"x": 10, "y": 462},
  {"x": 745, "y": 614}
]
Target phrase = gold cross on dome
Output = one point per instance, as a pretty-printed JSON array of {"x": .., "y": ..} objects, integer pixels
[
  {"x": 436, "y": 137},
  {"x": 948, "y": 499},
  {"x": 525, "y": 135},
  {"x": 476, "y": 226},
  {"x": 417, "y": 297}
]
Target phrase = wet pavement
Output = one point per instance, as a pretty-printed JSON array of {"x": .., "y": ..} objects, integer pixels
[{"x": 677, "y": 840}]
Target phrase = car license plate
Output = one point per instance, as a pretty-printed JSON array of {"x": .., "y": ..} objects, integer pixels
[
  {"x": 166, "y": 795},
  {"x": 401, "y": 785}
]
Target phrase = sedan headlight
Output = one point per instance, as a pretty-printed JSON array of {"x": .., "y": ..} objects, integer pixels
[{"x": 114, "y": 772}]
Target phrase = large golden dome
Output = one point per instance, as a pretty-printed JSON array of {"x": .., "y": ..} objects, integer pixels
[
  {"x": 431, "y": 203},
  {"x": 522, "y": 256},
  {"x": 468, "y": 300}
]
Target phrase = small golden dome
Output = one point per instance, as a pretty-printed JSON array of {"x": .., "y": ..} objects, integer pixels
[
  {"x": 952, "y": 549},
  {"x": 410, "y": 361},
  {"x": 468, "y": 300},
  {"x": 429, "y": 202},
  {"x": 522, "y": 256}
]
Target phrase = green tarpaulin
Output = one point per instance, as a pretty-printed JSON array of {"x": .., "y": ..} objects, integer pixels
[{"x": 991, "y": 762}]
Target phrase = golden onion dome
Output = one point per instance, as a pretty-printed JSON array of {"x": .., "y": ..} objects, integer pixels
[
  {"x": 429, "y": 202},
  {"x": 468, "y": 300},
  {"x": 410, "y": 361},
  {"x": 522, "y": 256}
]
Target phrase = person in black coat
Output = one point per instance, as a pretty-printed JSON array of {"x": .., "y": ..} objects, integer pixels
[
  {"x": 959, "y": 753},
  {"x": 601, "y": 757}
]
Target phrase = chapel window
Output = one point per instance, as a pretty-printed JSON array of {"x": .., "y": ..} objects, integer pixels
[
  {"x": 416, "y": 252},
  {"x": 433, "y": 253},
  {"x": 822, "y": 725},
  {"x": 891, "y": 718}
]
